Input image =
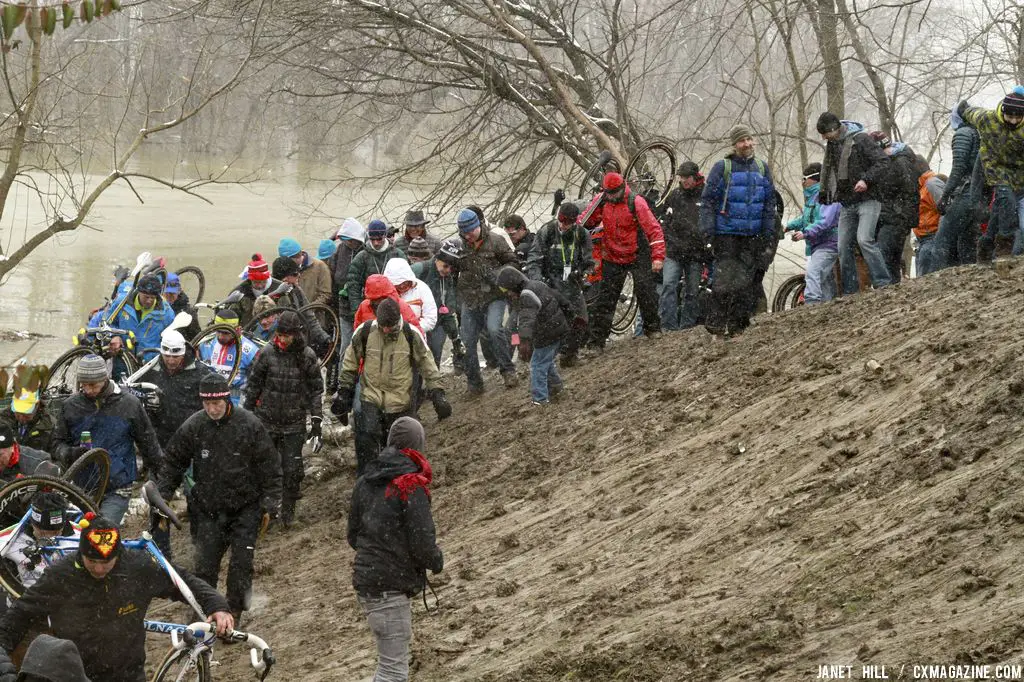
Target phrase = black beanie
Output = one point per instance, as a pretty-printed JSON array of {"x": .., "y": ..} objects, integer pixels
[
  {"x": 828, "y": 122},
  {"x": 101, "y": 539},
  {"x": 688, "y": 169},
  {"x": 284, "y": 267},
  {"x": 1013, "y": 104},
  {"x": 47, "y": 510},
  {"x": 388, "y": 313},
  {"x": 214, "y": 387}
]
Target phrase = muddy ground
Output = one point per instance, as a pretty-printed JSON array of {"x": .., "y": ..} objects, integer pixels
[{"x": 840, "y": 485}]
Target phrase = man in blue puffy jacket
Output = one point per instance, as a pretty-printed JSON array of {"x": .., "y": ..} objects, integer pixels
[
  {"x": 141, "y": 311},
  {"x": 738, "y": 215}
]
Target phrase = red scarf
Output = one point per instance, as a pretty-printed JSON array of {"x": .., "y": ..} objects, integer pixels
[{"x": 406, "y": 484}]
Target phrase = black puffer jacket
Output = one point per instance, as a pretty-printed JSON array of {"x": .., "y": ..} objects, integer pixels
[
  {"x": 179, "y": 394},
  {"x": 102, "y": 617},
  {"x": 544, "y": 313},
  {"x": 284, "y": 386},
  {"x": 966, "y": 145},
  {"x": 234, "y": 462},
  {"x": 29, "y": 460},
  {"x": 394, "y": 539},
  {"x": 183, "y": 304},
  {"x": 899, "y": 194},
  {"x": 680, "y": 219},
  {"x": 479, "y": 266}
]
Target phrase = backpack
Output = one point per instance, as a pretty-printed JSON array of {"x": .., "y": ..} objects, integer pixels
[{"x": 362, "y": 335}]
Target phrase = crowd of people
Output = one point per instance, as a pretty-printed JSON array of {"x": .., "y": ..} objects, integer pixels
[{"x": 696, "y": 256}]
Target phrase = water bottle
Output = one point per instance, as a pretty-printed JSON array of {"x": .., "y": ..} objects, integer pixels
[{"x": 86, "y": 440}]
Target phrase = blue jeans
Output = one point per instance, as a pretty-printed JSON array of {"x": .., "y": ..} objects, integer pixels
[
  {"x": 346, "y": 335},
  {"x": 675, "y": 313},
  {"x": 474, "y": 322},
  {"x": 390, "y": 620},
  {"x": 857, "y": 222},
  {"x": 114, "y": 507},
  {"x": 543, "y": 372},
  {"x": 820, "y": 281},
  {"x": 927, "y": 256}
]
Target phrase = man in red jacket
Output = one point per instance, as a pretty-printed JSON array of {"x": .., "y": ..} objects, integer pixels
[{"x": 622, "y": 216}]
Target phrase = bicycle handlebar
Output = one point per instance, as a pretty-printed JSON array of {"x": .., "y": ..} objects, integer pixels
[{"x": 260, "y": 654}]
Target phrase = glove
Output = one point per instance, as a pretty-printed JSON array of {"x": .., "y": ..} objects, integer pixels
[
  {"x": 559, "y": 196},
  {"x": 75, "y": 454},
  {"x": 314, "y": 435},
  {"x": 342, "y": 404},
  {"x": 525, "y": 350},
  {"x": 8, "y": 673},
  {"x": 579, "y": 323},
  {"x": 442, "y": 407},
  {"x": 943, "y": 204}
]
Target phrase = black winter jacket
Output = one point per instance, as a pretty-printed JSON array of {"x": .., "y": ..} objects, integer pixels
[
  {"x": 179, "y": 394},
  {"x": 37, "y": 434},
  {"x": 367, "y": 262},
  {"x": 443, "y": 289},
  {"x": 553, "y": 250},
  {"x": 339, "y": 264},
  {"x": 244, "y": 306},
  {"x": 522, "y": 249},
  {"x": 395, "y": 541},
  {"x": 284, "y": 386},
  {"x": 966, "y": 145},
  {"x": 102, "y": 617},
  {"x": 234, "y": 462},
  {"x": 867, "y": 162},
  {"x": 183, "y": 304},
  {"x": 29, "y": 460},
  {"x": 680, "y": 220},
  {"x": 479, "y": 266},
  {"x": 900, "y": 193},
  {"x": 544, "y": 313}
]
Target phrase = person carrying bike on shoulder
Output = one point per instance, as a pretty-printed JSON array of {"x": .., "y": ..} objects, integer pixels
[
  {"x": 143, "y": 312},
  {"x": 237, "y": 474},
  {"x": 115, "y": 421},
  {"x": 287, "y": 270},
  {"x": 220, "y": 351},
  {"x": 258, "y": 282},
  {"x": 285, "y": 387},
  {"x": 98, "y": 598}
]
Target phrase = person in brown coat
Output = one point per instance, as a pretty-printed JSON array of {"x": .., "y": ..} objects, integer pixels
[{"x": 314, "y": 275}]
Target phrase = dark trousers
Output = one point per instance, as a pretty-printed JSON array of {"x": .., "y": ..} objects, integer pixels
[
  {"x": 215, "y": 534},
  {"x": 289, "y": 445},
  {"x": 892, "y": 237},
  {"x": 576, "y": 338},
  {"x": 957, "y": 240},
  {"x": 734, "y": 283},
  {"x": 371, "y": 432},
  {"x": 613, "y": 276}
]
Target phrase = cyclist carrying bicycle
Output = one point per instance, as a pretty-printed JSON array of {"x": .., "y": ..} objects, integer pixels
[
  {"x": 98, "y": 598},
  {"x": 220, "y": 352},
  {"x": 141, "y": 312},
  {"x": 49, "y": 525}
]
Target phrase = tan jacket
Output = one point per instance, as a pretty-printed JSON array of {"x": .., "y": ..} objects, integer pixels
[
  {"x": 315, "y": 282},
  {"x": 386, "y": 366}
]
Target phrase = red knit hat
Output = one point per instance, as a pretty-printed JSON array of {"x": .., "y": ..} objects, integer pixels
[
  {"x": 258, "y": 269},
  {"x": 612, "y": 181}
]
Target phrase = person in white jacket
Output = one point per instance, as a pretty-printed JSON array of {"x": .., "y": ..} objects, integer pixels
[{"x": 413, "y": 291}]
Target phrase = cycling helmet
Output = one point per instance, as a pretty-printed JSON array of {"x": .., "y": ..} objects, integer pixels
[
  {"x": 47, "y": 510},
  {"x": 289, "y": 322},
  {"x": 450, "y": 252}
]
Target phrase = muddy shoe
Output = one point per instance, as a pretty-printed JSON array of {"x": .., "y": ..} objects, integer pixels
[
  {"x": 476, "y": 390},
  {"x": 555, "y": 389},
  {"x": 654, "y": 335},
  {"x": 511, "y": 380},
  {"x": 540, "y": 403}
]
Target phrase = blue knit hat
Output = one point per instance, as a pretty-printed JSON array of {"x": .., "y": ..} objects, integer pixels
[
  {"x": 468, "y": 220},
  {"x": 288, "y": 247},
  {"x": 377, "y": 229},
  {"x": 327, "y": 248}
]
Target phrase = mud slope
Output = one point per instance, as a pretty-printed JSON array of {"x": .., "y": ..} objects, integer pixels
[{"x": 841, "y": 485}]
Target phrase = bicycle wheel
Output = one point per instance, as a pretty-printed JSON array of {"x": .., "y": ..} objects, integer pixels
[
  {"x": 328, "y": 321},
  {"x": 789, "y": 294},
  {"x": 651, "y": 170},
  {"x": 625, "y": 309},
  {"x": 62, "y": 378},
  {"x": 193, "y": 282},
  {"x": 253, "y": 326},
  {"x": 211, "y": 332},
  {"x": 14, "y": 501},
  {"x": 90, "y": 473},
  {"x": 178, "y": 665},
  {"x": 590, "y": 183}
]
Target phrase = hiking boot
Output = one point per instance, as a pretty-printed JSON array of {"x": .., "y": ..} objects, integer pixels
[
  {"x": 555, "y": 389},
  {"x": 511, "y": 380},
  {"x": 475, "y": 390}
]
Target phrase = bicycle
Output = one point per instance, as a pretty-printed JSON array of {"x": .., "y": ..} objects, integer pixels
[
  {"x": 191, "y": 654},
  {"x": 260, "y": 334},
  {"x": 62, "y": 379}
]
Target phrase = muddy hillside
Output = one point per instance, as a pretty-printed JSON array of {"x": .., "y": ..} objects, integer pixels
[{"x": 839, "y": 486}]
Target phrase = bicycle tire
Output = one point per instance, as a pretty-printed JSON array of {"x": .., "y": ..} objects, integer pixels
[
  {"x": 25, "y": 488},
  {"x": 331, "y": 326},
  {"x": 624, "y": 315},
  {"x": 653, "y": 166},
  {"x": 213, "y": 330},
  {"x": 92, "y": 483},
  {"x": 197, "y": 272},
  {"x": 179, "y": 658},
  {"x": 59, "y": 371},
  {"x": 781, "y": 300},
  {"x": 591, "y": 182},
  {"x": 276, "y": 310}
]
